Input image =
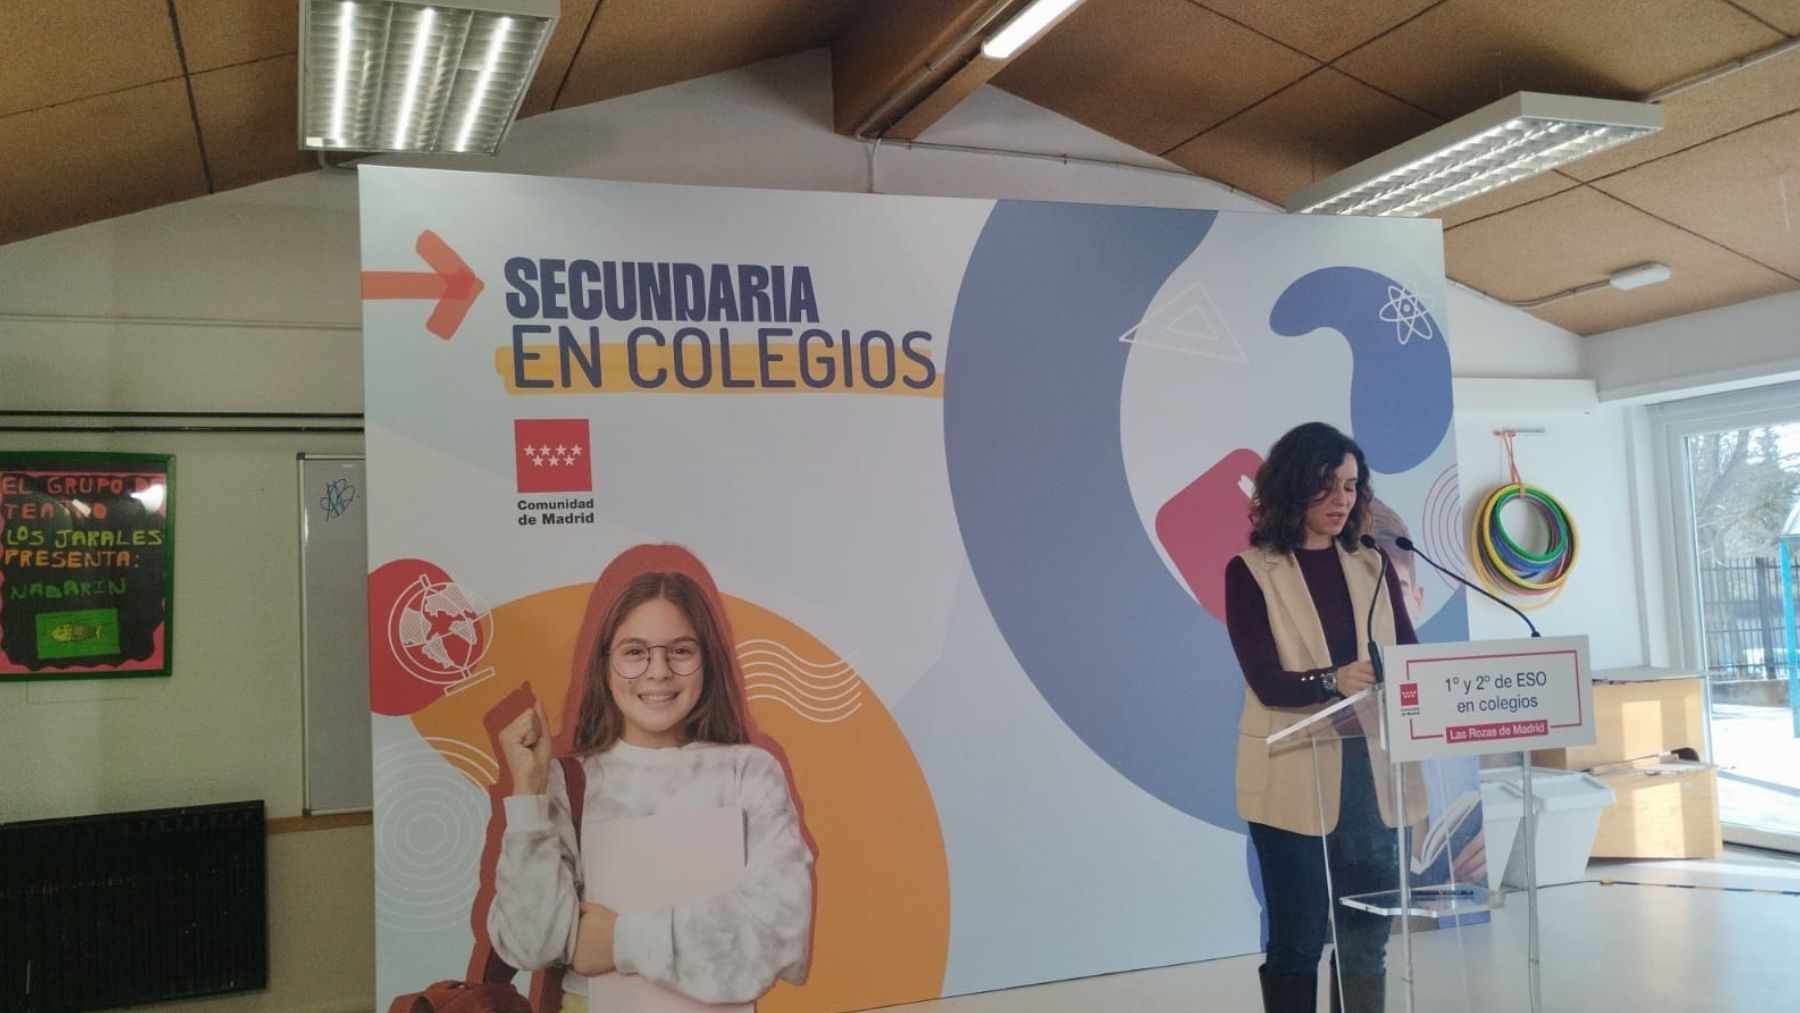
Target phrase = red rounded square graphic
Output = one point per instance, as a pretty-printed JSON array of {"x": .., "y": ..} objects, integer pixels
[
  {"x": 553, "y": 455},
  {"x": 1208, "y": 522}
]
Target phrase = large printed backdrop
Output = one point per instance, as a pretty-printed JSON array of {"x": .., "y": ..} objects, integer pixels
[{"x": 967, "y": 474}]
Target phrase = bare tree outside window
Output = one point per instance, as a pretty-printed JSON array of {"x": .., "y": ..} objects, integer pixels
[
  {"x": 1745, "y": 484},
  {"x": 1744, "y": 488}
]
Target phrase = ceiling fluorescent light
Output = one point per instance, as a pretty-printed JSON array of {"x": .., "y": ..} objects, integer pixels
[
  {"x": 404, "y": 75},
  {"x": 1521, "y": 135},
  {"x": 1639, "y": 276},
  {"x": 415, "y": 69},
  {"x": 1031, "y": 22}
]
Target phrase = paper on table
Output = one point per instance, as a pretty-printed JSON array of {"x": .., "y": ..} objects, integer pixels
[{"x": 651, "y": 862}]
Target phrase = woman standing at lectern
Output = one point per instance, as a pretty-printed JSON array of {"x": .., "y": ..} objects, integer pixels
[{"x": 1297, "y": 604}]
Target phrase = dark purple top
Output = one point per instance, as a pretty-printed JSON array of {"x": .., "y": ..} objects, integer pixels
[{"x": 1247, "y": 617}]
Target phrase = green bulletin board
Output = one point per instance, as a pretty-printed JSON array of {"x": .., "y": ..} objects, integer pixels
[{"x": 87, "y": 556}]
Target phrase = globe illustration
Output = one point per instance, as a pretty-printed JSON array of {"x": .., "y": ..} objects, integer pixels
[{"x": 439, "y": 631}]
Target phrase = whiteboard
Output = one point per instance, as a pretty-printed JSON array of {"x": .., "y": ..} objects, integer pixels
[{"x": 334, "y": 634}]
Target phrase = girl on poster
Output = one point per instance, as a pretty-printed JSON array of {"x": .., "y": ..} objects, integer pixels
[
  {"x": 1297, "y": 604},
  {"x": 662, "y": 730}
]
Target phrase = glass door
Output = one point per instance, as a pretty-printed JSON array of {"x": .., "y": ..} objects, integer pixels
[{"x": 1744, "y": 488}]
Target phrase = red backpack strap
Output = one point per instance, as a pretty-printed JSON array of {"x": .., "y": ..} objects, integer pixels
[
  {"x": 417, "y": 1002},
  {"x": 494, "y": 971},
  {"x": 575, "y": 780},
  {"x": 546, "y": 986}
]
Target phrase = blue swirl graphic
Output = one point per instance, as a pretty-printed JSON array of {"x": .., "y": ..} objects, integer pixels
[
  {"x": 1032, "y": 439},
  {"x": 1400, "y": 383}
]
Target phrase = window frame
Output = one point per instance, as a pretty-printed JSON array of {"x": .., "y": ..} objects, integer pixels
[{"x": 1672, "y": 423}]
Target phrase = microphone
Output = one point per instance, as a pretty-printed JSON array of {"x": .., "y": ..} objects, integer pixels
[
  {"x": 1368, "y": 542},
  {"x": 1407, "y": 544}
]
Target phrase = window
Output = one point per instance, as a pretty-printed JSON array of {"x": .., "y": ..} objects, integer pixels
[{"x": 1732, "y": 468}]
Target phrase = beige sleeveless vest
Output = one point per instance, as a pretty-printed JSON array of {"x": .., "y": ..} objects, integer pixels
[{"x": 1278, "y": 787}]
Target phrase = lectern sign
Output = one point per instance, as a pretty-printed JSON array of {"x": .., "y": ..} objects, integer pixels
[{"x": 1488, "y": 696}]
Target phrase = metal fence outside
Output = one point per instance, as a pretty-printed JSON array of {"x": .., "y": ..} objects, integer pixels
[{"x": 1746, "y": 616}]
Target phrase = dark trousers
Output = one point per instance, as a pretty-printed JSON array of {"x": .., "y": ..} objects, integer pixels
[{"x": 1363, "y": 859}]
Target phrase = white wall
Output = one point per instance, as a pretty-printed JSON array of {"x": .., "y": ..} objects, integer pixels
[
  {"x": 1580, "y": 458},
  {"x": 248, "y": 301},
  {"x": 1749, "y": 344},
  {"x": 1496, "y": 340},
  {"x": 242, "y": 302}
]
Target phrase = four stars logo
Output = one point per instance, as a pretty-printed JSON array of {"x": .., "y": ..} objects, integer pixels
[{"x": 552, "y": 455}]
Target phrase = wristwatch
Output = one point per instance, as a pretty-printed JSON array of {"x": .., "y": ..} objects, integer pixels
[{"x": 1329, "y": 681}]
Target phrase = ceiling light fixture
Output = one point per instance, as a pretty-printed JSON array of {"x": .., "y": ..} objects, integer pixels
[
  {"x": 1521, "y": 135},
  {"x": 1023, "y": 29},
  {"x": 1624, "y": 279},
  {"x": 405, "y": 75},
  {"x": 1639, "y": 276}
]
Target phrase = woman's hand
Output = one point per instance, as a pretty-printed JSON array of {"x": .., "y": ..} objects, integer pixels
[
  {"x": 1355, "y": 677},
  {"x": 525, "y": 744},
  {"x": 594, "y": 940}
]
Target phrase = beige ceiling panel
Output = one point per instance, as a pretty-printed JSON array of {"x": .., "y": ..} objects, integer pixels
[
  {"x": 1322, "y": 124},
  {"x": 636, "y": 45},
  {"x": 1783, "y": 14},
  {"x": 83, "y": 161},
  {"x": 1493, "y": 202},
  {"x": 1322, "y": 29},
  {"x": 1742, "y": 191},
  {"x": 571, "y": 25},
  {"x": 1711, "y": 110},
  {"x": 884, "y": 50},
  {"x": 1152, "y": 73},
  {"x": 1582, "y": 236},
  {"x": 220, "y": 33},
  {"x": 1463, "y": 54},
  {"x": 60, "y": 51},
  {"x": 247, "y": 117}
]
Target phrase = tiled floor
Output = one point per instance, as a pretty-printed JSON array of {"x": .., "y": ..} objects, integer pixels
[{"x": 1644, "y": 937}]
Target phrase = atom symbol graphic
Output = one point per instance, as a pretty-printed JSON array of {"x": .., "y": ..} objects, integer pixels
[{"x": 1408, "y": 315}]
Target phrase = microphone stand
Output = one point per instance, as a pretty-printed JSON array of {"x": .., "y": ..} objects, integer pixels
[
  {"x": 1368, "y": 542},
  {"x": 1406, "y": 544}
]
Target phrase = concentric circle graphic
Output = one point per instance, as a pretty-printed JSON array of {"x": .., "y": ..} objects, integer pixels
[
  {"x": 1441, "y": 529},
  {"x": 430, "y": 824}
]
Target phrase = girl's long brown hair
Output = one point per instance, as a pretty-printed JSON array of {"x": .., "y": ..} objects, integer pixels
[{"x": 672, "y": 574}]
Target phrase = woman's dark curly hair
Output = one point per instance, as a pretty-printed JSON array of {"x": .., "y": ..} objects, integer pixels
[{"x": 1300, "y": 466}]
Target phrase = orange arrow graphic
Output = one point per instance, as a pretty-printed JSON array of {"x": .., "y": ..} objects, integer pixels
[{"x": 450, "y": 282}]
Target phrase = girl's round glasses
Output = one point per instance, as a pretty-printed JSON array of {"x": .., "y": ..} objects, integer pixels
[{"x": 632, "y": 658}]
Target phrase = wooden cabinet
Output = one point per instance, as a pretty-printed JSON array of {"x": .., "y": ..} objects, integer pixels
[
  {"x": 1665, "y": 808},
  {"x": 1637, "y": 718}
]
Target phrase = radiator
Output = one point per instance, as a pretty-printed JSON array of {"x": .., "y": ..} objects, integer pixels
[{"x": 114, "y": 910}]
